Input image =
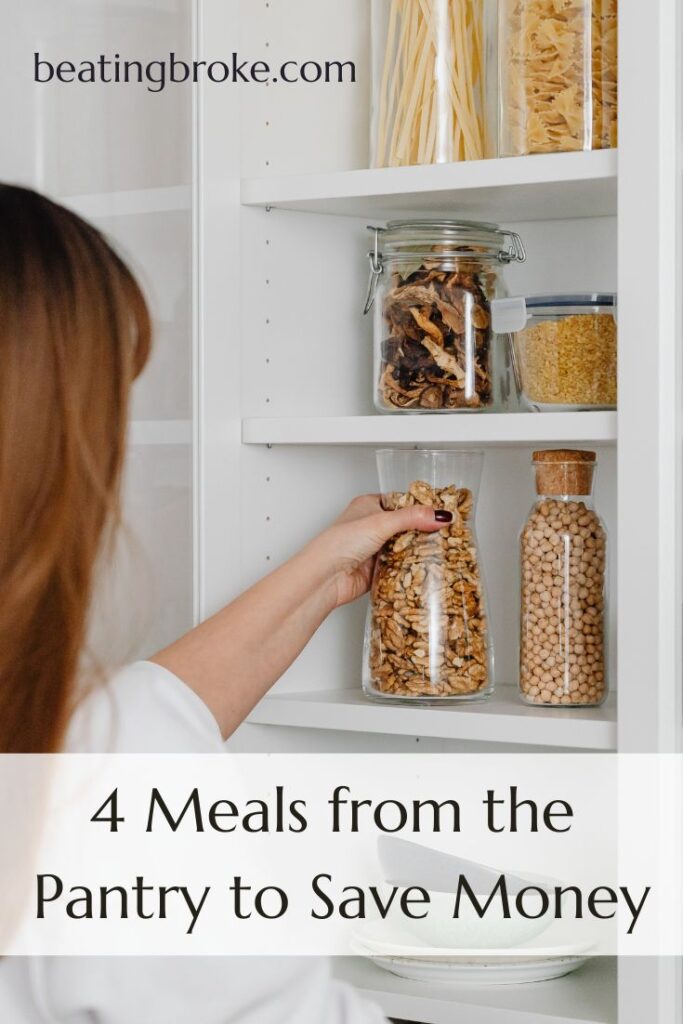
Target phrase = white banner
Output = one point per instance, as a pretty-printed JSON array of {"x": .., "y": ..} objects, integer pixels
[{"x": 340, "y": 854}]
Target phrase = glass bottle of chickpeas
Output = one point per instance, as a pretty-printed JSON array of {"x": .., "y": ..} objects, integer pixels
[{"x": 563, "y": 558}]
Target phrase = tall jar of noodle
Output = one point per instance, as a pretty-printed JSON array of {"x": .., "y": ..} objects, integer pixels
[
  {"x": 429, "y": 88},
  {"x": 557, "y": 67}
]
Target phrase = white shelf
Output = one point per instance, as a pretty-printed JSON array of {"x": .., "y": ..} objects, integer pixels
[
  {"x": 144, "y": 432},
  {"x": 543, "y": 187},
  {"x": 587, "y": 997},
  {"x": 501, "y": 719},
  {"x": 460, "y": 429},
  {"x": 132, "y": 203}
]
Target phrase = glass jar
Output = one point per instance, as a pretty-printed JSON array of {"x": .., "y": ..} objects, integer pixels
[
  {"x": 428, "y": 59},
  {"x": 432, "y": 283},
  {"x": 564, "y": 349},
  {"x": 427, "y": 637},
  {"x": 557, "y": 68},
  {"x": 563, "y": 557}
]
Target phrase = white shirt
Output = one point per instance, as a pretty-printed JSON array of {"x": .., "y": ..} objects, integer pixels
[{"x": 146, "y": 709}]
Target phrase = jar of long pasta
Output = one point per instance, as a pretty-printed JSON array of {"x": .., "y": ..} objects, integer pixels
[
  {"x": 558, "y": 75},
  {"x": 429, "y": 82}
]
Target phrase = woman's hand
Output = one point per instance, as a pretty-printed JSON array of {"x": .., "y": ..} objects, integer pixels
[
  {"x": 233, "y": 658},
  {"x": 350, "y": 545}
]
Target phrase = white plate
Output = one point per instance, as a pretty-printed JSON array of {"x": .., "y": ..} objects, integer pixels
[
  {"x": 378, "y": 940},
  {"x": 501, "y": 972}
]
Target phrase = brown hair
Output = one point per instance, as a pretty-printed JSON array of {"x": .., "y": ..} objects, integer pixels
[{"x": 74, "y": 333}]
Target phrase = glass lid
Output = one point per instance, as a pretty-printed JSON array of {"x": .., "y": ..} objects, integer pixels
[{"x": 431, "y": 238}]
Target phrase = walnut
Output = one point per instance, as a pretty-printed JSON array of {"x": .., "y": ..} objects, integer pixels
[{"x": 423, "y": 493}]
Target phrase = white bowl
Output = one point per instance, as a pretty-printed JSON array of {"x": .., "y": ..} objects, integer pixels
[
  {"x": 469, "y": 931},
  {"x": 408, "y": 863}
]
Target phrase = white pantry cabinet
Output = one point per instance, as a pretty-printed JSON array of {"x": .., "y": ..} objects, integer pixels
[{"x": 286, "y": 427}]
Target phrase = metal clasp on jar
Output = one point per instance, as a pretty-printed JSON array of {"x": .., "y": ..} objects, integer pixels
[
  {"x": 376, "y": 268},
  {"x": 514, "y": 252}
]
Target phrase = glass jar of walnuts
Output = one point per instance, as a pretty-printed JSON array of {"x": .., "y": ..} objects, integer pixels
[{"x": 427, "y": 637}]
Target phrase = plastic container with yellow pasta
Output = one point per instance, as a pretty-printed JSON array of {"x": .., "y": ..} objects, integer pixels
[
  {"x": 558, "y": 75},
  {"x": 564, "y": 349}
]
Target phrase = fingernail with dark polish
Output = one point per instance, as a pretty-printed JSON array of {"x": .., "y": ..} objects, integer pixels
[{"x": 442, "y": 516}]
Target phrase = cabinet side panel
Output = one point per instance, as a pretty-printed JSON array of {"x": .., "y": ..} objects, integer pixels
[
  {"x": 650, "y": 378},
  {"x": 217, "y": 290}
]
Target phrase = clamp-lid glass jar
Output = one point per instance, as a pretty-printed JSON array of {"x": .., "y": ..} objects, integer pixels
[
  {"x": 563, "y": 558},
  {"x": 564, "y": 349},
  {"x": 432, "y": 284}
]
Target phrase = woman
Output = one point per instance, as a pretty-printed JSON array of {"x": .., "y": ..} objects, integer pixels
[{"x": 74, "y": 334}]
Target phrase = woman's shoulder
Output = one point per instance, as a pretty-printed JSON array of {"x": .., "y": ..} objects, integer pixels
[{"x": 143, "y": 709}]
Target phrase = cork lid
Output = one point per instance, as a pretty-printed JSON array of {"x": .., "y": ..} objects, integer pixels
[
  {"x": 564, "y": 471},
  {"x": 563, "y": 455}
]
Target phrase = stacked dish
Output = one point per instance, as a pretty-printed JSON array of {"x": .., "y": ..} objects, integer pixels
[
  {"x": 403, "y": 955},
  {"x": 468, "y": 949}
]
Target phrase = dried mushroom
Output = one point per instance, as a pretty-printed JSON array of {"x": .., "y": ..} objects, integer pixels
[
  {"x": 428, "y": 633},
  {"x": 437, "y": 353}
]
